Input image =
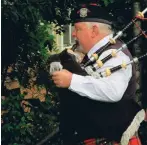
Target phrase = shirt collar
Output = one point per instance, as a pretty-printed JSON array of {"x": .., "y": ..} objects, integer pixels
[{"x": 98, "y": 45}]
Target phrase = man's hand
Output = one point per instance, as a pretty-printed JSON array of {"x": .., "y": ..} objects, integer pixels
[{"x": 62, "y": 78}]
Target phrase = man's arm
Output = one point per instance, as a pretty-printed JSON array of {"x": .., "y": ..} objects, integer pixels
[{"x": 108, "y": 89}]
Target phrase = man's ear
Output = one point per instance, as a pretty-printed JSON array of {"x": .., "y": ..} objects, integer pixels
[{"x": 95, "y": 31}]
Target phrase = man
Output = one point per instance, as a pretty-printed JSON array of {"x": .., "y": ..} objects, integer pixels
[{"x": 99, "y": 108}]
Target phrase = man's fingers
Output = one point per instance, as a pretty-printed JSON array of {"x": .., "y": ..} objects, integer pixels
[
  {"x": 59, "y": 72},
  {"x": 57, "y": 82},
  {"x": 64, "y": 70},
  {"x": 55, "y": 77},
  {"x": 56, "y": 73}
]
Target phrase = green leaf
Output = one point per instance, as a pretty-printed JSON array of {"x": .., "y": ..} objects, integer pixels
[
  {"x": 15, "y": 144},
  {"x": 23, "y": 119},
  {"x": 23, "y": 132},
  {"x": 106, "y": 2},
  {"x": 51, "y": 37},
  {"x": 10, "y": 128},
  {"x": 28, "y": 140},
  {"x": 17, "y": 105}
]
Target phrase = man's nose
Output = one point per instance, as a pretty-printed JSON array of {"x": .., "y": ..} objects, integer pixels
[{"x": 73, "y": 34}]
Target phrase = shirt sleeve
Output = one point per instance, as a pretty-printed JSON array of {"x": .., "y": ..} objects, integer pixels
[{"x": 107, "y": 89}]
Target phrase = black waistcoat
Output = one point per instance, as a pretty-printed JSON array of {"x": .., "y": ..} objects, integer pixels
[{"x": 90, "y": 118}]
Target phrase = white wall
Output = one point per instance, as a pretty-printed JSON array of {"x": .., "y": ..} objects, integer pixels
[{"x": 65, "y": 40}]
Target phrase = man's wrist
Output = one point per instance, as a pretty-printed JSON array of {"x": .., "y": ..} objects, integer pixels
[
  {"x": 70, "y": 86},
  {"x": 75, "y": 81}
]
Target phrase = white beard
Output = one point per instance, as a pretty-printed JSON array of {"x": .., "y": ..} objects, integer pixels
[{"x": 79, "y": 48}]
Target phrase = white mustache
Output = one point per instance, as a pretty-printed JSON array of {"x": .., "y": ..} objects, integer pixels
[{"x": 79, "y": 45}]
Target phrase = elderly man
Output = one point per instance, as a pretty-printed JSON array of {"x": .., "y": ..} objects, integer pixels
[{"x": 96, "y": 108}]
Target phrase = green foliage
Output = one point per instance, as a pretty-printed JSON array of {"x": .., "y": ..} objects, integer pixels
[
  {"x": 24, "y": 48},
  {"x": 20, "y": 17},
  {"x": 21, "y": 127},
  {"x": 107, "y": 2}
]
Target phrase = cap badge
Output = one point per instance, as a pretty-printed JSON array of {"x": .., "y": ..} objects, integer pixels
[{"x": 83, "y": 12}]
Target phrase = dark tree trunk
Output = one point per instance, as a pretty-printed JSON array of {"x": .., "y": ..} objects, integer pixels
[{"x": 137, "y": 51}]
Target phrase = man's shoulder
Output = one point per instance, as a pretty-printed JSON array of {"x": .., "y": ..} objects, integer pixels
[{"x": 119, "y": 43}]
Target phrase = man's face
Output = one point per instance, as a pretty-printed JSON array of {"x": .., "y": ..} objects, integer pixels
[{"x": 84, "y": 35}]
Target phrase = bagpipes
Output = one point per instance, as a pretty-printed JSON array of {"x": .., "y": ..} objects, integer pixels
[{"x": 67, "y": 58}]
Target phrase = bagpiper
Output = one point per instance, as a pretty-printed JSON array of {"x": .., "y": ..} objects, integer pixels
[{"x": 97, "y": 107}]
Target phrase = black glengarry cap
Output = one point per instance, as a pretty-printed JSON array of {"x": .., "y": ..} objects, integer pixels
[{"x": 91, "y": 13}]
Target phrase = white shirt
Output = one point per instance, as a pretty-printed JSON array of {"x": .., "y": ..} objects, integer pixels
[{"x": 108, "y": 89}]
